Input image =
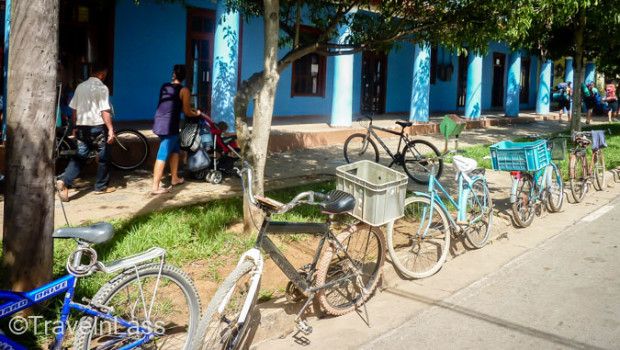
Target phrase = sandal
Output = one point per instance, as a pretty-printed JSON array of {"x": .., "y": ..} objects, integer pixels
[
  {"x": 160, "y": 191},
  {"x": 181, "y": 182}
]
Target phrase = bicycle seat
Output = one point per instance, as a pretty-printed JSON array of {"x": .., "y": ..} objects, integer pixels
[
  {"x": 96, "y": 233},
  {"x": 404, "y": 124},
  {"x": 338, "y": 202}
]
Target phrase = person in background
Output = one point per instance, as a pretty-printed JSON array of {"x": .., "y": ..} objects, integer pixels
[
  {"x": 612, "y": 102},
  {"x": 93, "y": 129},
  {"x": 590, "y": 100},
  {"x": 565, "y": 100},
  {"x": 174, "y": 98}
]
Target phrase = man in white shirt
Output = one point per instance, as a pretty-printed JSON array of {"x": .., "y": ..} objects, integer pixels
[{"x": 93, "y": 129}]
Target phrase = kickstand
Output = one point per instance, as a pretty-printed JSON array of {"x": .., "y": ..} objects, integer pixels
[{"x": 367, "y": 319}]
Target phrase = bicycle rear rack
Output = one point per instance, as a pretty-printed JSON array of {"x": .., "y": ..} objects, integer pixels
[{"x": 132, "y": 260}]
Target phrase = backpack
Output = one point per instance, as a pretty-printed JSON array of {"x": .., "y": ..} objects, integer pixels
[
  {"x": 587, "y": 91},
  {"x": 563, "y": 95}
]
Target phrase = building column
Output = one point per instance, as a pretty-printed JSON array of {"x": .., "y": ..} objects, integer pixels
[
  {"x": 226, "y": 54},
  {"x": 342, "y": 99},
  {"x": 590, "y": 72},
  {"x": 419, "y": 110},
  {"x": 513, "y": 88},
  {"x": 473, "y": 102},
  {"x": 544, "y": 89},
  {"x": 569, "y": 71}
]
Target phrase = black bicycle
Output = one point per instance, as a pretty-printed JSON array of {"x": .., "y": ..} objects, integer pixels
[
  {"x": 129, "y": 150},
  {"x": 343, "y": 274},
  {"x": 413, "y": 156}
]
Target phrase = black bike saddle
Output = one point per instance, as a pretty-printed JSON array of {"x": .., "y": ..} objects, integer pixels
[
  {"x": 404, "y": 124},
  {"x": 338, "y": 202}
]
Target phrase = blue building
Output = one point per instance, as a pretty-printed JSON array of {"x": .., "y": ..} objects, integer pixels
[{"x": 141, "y": 43}]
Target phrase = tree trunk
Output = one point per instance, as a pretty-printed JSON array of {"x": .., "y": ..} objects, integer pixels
[
  {"x": 255, "y": 146},
  {"x": 31, "y": 99},
  {"x": 580, "y": 26}
]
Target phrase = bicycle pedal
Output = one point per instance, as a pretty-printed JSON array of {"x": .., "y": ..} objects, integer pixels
[{"x": 303, "y": 327}]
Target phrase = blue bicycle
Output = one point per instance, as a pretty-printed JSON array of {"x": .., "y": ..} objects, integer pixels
[
  {"x": 419, "y": 242},
  {"x": 150, "y": 304}
]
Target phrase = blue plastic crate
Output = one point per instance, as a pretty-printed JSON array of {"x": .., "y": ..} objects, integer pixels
[{"x": 520, "y": 156}]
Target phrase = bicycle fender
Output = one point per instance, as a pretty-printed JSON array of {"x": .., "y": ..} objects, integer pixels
[{"x": 513, "y": 190}]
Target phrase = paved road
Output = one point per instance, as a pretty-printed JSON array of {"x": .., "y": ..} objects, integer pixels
[{"x": 562, "y": 294}]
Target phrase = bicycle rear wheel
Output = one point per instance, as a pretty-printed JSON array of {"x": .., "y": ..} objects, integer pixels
[
  {"x": 479, "y": 208},
  {"x": 415, "y": 253},
  {"x": 555, "y": 189},
  {"x": 522, "y": 209},
  {"x": 219, "y": 327},
  {"x": 415, "y": 161},
  {"x": 578, "y": 181},
  {"x": 599, "y": 170},
  {"x": 360, "y": 147},
  {"x": 129, "y": 150},
  {"x": 167, "y": 304},
  {"x": 365, "y": 246}
]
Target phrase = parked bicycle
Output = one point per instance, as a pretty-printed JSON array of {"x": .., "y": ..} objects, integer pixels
[
  {"x": 342, "y": 278},
  {"x": 537, "y": 180},
  {"x": 129, "y": 150},
  {"x": 149, "y": 304},
  {"x": 580, "y": 173},
  {"x": 414, "y": 156},
  {"x": 419, "y": 242}
]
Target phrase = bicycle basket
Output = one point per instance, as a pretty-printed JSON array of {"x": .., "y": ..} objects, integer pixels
[
  {"x": 558, "y": 149},
  {"x": 519, "y": 156},
  {"x": 379, "y": 191}
]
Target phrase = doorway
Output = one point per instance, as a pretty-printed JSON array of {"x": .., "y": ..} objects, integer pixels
[
  {"x": 461, "y": 85},
  {"x": 499, "y": 67},
  {"x": 374, "y": 73},
  {"x": 199, "y": 56}
]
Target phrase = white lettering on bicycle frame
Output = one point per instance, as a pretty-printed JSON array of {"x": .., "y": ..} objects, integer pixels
[
  {"x": 49, "y": 291},
  {"x": 5, "y": 346},
  {"x": 10, "y": 309}
]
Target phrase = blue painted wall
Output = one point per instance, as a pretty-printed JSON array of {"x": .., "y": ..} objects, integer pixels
[
  {"x": 398, "y": 82},
  {"x": 145, "y": 54}
]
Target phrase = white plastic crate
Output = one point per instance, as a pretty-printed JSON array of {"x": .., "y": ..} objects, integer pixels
[{"x": 378, "y": 190}]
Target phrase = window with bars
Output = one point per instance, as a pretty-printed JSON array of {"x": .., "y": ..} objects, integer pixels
[{"x": 309, "y": 76}]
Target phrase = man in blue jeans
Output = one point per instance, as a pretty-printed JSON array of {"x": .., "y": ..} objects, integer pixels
[{"x": 91, "y": 119}]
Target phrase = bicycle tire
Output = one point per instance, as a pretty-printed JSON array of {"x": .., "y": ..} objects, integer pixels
[
  {"x": 479, "y": 233},
  {"x": 415, "y": 256},
  {"x": 65, "y": 146},
  {"x": 210, "y": 334},
  {"x": 522, "y": 210},
  {"x": 555, "y": 190},
  {"x": 599, "y": 170},
  {"x": 356, "y": 149},
  {"x": 415, "y": 164},
  {"x": 364, "y": 244},
  {"x": 577, "y": 179},
  {"x": 129, "y": 150},
  {"x": 176, "y": 289}
]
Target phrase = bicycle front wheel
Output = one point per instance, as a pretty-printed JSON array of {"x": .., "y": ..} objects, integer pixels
[
  {"x": 167, "y": 304},
  {"x": 578, "y": 181},
  {"x": 362, "y": 259},
  {"x": 479, "y": 214},
  {"x": 599, "y": 170},
  {"x": 220, "y": 326},
  {"x": 522, "y": 208},
  {"x": 129, "y": 150},
  {"x": 555, "y": 189},
  {"x": 418, "y": 244},
  {"x": 360, "y": 147},
  {"x": 416, "y": 163}
]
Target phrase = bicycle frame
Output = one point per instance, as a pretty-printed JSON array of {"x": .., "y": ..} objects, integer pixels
[
  {"x": 20, "y": 301},
  {"x": 465, "y": 186},
  {"x": 371, "y": 131},
  {"x": 541, "y": 178},
  {"x": 17, "y": 301}
]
